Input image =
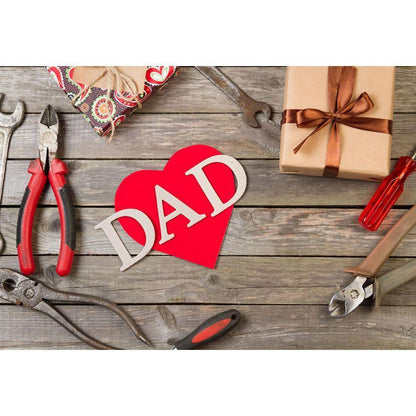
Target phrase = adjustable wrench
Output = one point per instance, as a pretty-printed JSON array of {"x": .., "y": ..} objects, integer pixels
[
  {"x": 256, "y": 114},
  {"x": 8, "y": 123}
]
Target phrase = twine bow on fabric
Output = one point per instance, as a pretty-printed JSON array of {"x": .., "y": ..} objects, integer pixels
[
  {"x": 342, "y": 110},
  {"x": 121, "y": 81}
]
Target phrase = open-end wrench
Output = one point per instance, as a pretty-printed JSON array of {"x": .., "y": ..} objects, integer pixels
[
  {"x": 8, "y": 123},
  {"x": 256, "y": 114}
]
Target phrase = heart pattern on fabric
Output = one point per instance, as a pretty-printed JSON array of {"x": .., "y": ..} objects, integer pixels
[{"x": 158, "y": 75}]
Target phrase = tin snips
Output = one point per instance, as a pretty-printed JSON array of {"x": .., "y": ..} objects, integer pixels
[{"x": 366, "y": 284}]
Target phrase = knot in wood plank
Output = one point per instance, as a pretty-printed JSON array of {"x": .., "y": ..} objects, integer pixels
[{"x": 167, "y": 316}]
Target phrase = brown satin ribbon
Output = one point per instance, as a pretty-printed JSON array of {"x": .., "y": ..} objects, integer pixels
[{"x": 342, "y": 110}]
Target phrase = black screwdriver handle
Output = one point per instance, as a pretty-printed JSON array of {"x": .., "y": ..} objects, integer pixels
[{"x": 210, "y": 330}]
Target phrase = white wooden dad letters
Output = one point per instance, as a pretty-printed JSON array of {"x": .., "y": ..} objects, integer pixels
[{"x": 162, "y": 195}]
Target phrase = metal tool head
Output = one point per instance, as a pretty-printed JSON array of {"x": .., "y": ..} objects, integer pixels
[
  {"x": 48, "y": 134},
  {"x": 249, "y": 106},
  {"x": 252, "y": 109},
  {"x": 12, "y": 121},
  {"x": 25, "y": 291},
  {"x": 19, "y": 289},
  {"x": 350, "y": 297}
]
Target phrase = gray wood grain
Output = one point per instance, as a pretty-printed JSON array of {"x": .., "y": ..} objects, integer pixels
[
  {"x": 144, "y": 136},
  {"x": 91, "y": 187},
  {"x": 190, "y": 92},
  {"x": 147, "y": 136},
  {"x": 261, "y": 327},
  {"x": 252, "y": 231},
  {"x": 280, "y": 263},
  {"x": 239, "y": 280}
]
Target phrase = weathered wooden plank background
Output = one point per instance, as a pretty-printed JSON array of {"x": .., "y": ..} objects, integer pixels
[{"x": 283, "y": 255}]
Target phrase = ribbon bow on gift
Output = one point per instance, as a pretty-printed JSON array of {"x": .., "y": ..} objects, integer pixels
[{"x": 342, "y": 110}]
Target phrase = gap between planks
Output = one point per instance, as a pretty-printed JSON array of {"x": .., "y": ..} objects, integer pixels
[
  {"x": 150, "y": 137},
  {"x": 190, "y": 91},
  {"x": 242, "y": 280},
  {"x": 89, "y": 187}
]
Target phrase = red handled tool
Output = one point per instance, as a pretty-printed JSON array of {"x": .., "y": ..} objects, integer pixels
[
  {"x": 387, "y": 194},
  {"x": 210, "y": 330},
  {"x": 46, "y": 167}
]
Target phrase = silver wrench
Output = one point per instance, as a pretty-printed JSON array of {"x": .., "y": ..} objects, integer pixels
[
  {"x": 8, "y": 124},
  {"x": 256, "y": 113}
]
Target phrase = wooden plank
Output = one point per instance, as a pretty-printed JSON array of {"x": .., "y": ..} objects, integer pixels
[
  {"x": 235, "y": 280},
  {"x": 252, "y": 231},
  {"x": 404, "y": 95},
  {"x": 144, "y": 136},
  {"x": 293, "y": 287},
  {"x": 190, "y": 92},
  {"x": 261, "y": 327},
  {"x": 90, "y": 187}
]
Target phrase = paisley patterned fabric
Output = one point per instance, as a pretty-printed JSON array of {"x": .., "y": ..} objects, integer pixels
[{"x": 93, "y": 103}]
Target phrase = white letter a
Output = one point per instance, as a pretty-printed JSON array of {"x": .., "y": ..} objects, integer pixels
[{"x": 180, "y": 209}]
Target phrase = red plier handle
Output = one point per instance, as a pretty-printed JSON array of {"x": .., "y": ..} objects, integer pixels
[{"x": 56, "y": 176}]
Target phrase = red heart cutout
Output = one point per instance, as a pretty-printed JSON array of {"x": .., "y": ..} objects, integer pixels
[{"x": 199, "y": 243}]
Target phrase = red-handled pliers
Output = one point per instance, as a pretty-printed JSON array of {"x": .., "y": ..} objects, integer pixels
[{"x": 46, "y": 167}]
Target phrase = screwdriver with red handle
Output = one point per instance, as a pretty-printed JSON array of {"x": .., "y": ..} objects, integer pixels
[{"x": 387, "y": 193}]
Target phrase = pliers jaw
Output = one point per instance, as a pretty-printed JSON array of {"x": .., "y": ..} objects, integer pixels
[
  {"x": 18, "y": 289},
  {"x": 48, "y": 135},
  {"x": 350, "y": 297},
  {"x": 46, "y": 167},
  {"x": 24, "y": 291}
]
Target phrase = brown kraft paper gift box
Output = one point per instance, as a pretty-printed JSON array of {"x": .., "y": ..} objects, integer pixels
[{"x": 362, "y": 154}]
